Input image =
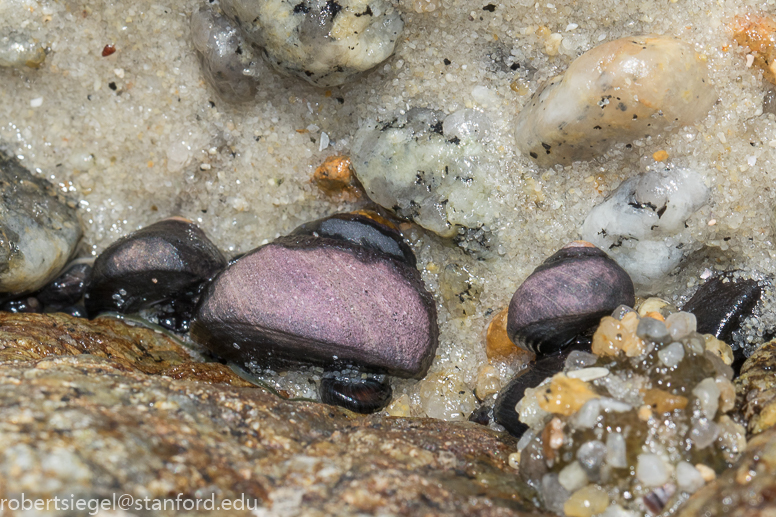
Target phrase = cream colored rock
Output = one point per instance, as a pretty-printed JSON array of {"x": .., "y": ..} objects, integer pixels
[{"x": 617, "y": 92}]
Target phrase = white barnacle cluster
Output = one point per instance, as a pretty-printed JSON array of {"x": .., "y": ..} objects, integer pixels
[
  {"x": 641, "y": 225},
  {"x": 429, "y": 168}
]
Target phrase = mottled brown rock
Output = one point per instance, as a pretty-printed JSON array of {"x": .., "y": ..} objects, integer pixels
[
  {"x": 84, "y": 410},
  {"x": 756, "y": 388},
  {"x": 747, "y": 490}
]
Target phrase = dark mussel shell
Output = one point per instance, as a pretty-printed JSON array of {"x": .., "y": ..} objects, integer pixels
[
  {"x": 504, "y": 410},
  {"x": 361, "y": 230},
  {"x": 28, "y": 304},
  {"x": 566, "y": 296},
  {"x": 358, "y": 395},
  {"x": 722, "y": 305},
  {"x": 166, "y": 260},
  {"x": 68, "y": 288},
  {"x": 322, "y": 301}
]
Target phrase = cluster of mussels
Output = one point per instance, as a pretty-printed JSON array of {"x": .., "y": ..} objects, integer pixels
[
  {"x": 342, "y": 292},
  {"x": 624, "y": 412}
]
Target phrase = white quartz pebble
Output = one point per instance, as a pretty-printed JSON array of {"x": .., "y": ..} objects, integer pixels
[{"x": 651, "y": 470}]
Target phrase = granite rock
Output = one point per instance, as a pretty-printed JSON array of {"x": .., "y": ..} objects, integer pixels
[{"x": 101, "y": 408}]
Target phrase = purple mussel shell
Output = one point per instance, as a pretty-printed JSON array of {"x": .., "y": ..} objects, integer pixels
[{"x": 323, "y": 301}]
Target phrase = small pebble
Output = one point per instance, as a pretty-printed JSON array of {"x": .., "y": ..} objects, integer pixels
[
  {"x": 689, "y": 478},
  {"x": 586, "y": 502},
  {"x": 651, "y": 470},
  {"x": 707, "y": 393},
  {"x": 671, "y": 355}
]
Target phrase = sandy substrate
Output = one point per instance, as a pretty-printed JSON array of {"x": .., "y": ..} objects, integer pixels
[{"x": 139, "y": 135}]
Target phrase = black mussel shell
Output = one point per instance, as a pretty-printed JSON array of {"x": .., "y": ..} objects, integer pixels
[
  {"x": 358, "y": 395},
  {"x": 26, "y": 304},
  {"x": 722, "y": 305},
  {"x": 167, "y": 260},
  {"x": 481, "y": 415},
  {"x": 566, "y": 296},
  {"x": 317, "y": 300},
  {"x": 504, "y": 410},
  {"x": 360, "y": 230},
  {"x": 67, "y": 288}
]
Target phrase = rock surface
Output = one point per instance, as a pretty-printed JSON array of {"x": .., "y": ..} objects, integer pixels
[
  {"x": 97, "y": 408},
  {"x": 746, "y": 490},
  {"x": 756, "y": 389}
]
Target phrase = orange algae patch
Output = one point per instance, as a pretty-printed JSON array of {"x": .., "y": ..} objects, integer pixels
[
  {"x": 759, "y": 34},
  {"x": 565, "y": 395}
]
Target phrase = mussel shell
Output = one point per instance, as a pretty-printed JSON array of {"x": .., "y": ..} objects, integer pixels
[
  {"x": 67, "y": 288},
  {"x": 320, "y": 301},
  {"x": 566, "y": 296},
  {"x": 722, "y": 305},
  {"x": 363, "y": 231},
  {"x": 358, "y": 395},
  {"x": 504, "y": 412},
  {"x": 27, "y": 304},
  {"x": 160, "y": 262}
]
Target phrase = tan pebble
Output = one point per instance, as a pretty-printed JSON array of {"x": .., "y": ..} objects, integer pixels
[
  {"x": 498, "y": 346},
  {"x": 586, "y": 502},
  {"x": 660, "y": 156},
  {"x": 653, "y": 304},
  {"x": 707, "y": 473},
  {"x": 335, "y": 177},
  {"x": 614, "y": 336},
  {"x": 758, "y": 33},
  {"x": 552, "y": 438},
  {"x": 564, "y": 396},
  {"x": 514, "y": 460},
  {"x": 727, "y": 394},
  {"x": 719, "y": 348},
  {"x": 663, "y": 401},
  {"x": 488, "y": 382},
  {"x": 400, "y": 407},
  {"x": 645, "y": 413},
  {"x": 745, "y": 474}
]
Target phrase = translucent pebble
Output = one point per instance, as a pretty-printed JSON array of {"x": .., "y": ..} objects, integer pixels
[
  {"x": 652, "y": 330},
  {"x": 579, "y": 359},
  {"x": 621, "y": 311},
  {"x": 524, "y": 440},
  {"x": 591, "y": 456},
  {"x": 619, "y": 91},
  {"x": 688, "y": 477},
  {"x": 680, "y": 324},
  {"x": 694, "y": 344},
  {"x": 588, "y": 414},
  {"x": 586, "y": 502},
  {"x": 671, "y": 355},
  {"x": 707, "y": 393},
  {"x": 615, "y": 510},
  {"x": 614, "y": 405},
  {"x": 588, "y": 374},
  {"x": 641, "y": 224},
  {"x": 467, "y": 124},
  {"x": 615, "y": 451},
  {"x": 651, "y": 470},
  {"x": 553, "y": 493},
  {"x": 703, "y": 433},
  {"x": 572, "y": 477},
  {"x": 18, "y": 49},
  {"x": 228, "y": 62}
]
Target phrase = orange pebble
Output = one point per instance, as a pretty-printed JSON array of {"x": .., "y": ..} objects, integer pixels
[
  {"x": 498, "y": 345},
  {"x": 335, "y": 177},
  {"x": 759, "y": 34}
]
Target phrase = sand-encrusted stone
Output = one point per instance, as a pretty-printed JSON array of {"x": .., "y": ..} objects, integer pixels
[{"x": 38, "y": 229}]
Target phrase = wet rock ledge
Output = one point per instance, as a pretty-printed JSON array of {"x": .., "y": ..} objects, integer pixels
[{"x": 101, "y": 408}]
